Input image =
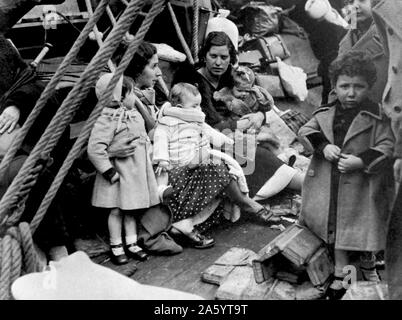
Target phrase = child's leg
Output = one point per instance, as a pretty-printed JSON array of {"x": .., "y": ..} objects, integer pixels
[
  {"x": 341, "y": 261},
  {"x": 164, "y": 190},
  {"x": 115, "y": 222},
  {"x": 130, "y": 228},
  {"x": 367, "y": 266}
]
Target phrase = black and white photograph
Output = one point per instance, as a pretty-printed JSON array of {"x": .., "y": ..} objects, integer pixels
[{"x": 200, "y": 154}]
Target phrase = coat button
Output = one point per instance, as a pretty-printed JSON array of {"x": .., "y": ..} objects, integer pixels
[
  {"x": 394, "y": 69},
  {"x": 397, "y": 109},
  {"x": 391, "y": 31}
]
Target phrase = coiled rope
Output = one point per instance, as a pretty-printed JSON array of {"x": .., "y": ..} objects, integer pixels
[{"x": 17, "y": 255}]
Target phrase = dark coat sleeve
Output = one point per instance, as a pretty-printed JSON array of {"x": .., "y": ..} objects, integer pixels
[{"x": 24, "y": 98}]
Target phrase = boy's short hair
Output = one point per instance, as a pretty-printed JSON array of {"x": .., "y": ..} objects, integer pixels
[
  {"x": 352, "y": 64},
  {"x": 179, "y": 89}
]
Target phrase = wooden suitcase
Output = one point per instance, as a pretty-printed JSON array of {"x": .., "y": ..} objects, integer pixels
[
  {"x": 320, "y": 267},
  {"x": 298, "y": 245}
]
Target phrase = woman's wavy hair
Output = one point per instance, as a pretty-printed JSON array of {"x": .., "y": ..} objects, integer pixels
[
  {"x": 140, "y": 59},
  {"x": 353, "y": 63},
  {"x": 217, "y": 38}
]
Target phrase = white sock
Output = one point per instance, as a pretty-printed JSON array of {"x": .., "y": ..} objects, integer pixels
[
  {"x": 117, "y": 251},
  {"x": 131, "y": 239}
]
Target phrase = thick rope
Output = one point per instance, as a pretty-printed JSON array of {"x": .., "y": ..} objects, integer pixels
[
  {"x": 157, "y": 7},
  {"x": 71, "y": 103},
  {"x": 196, "y": 13},
  {"x": 180, "y": 34},
  {"x": 50, "y": 88},
  {"x": 18, "y": 256}
]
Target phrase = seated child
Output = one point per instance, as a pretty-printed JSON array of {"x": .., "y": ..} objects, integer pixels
[
  {"x": 182, "y": 138},
  {"x": 124, "y": 185},
  {"x": 245, "y": 97},
  {"x": 347, "y": 190}
]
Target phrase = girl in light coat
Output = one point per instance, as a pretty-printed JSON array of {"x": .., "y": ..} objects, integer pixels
[{"x": 124, "y": 185}]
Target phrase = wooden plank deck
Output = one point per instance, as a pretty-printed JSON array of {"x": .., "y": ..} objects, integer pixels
[{"x": 183, "y": 272}]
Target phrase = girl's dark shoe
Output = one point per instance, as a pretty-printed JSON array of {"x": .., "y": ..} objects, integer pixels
[
  {"x": 136, "y": 252},
  {"x": 118, "y": 259},
  {"x": 193, "y": 239}
]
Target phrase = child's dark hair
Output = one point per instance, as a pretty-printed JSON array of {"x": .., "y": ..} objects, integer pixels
[
  {"x": 352, "y": 64},
  {"x": 179, "y": 89},
  {"x": 127, "y": 87}
]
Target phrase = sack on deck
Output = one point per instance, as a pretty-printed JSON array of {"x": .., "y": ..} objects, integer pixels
[
  {"x": 260, "y": 19},
  {"x": 293, "y": 80},
  {"x": 152, "y": 234}
]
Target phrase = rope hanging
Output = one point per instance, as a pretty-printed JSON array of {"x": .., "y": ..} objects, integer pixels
[
  {"x": 50, "y": 88},
  {"x": 71, "y": 103},
  {"x": 157, "y": 7},
  {"x": 196, "y": 13},
  {"x": 180, "y": 34}
]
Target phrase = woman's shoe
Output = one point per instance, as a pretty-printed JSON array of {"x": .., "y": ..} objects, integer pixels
[
  {"x": 118, "y": 259},
  {"x": 136, "y": 252},
  {"x": 193, "y": 239}
]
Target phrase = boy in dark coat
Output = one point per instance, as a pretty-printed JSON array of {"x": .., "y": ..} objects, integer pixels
[{"x": 350, "y": 169}]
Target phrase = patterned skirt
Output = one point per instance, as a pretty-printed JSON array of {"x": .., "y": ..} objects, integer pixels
[{"x": 195, "y": 188}]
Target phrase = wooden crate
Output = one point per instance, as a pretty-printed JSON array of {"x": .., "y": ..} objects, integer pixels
[
  {"x": 296, "y": 243},
  {"x": 240, "y": 285},
  {"x": 320, "y": 267}
]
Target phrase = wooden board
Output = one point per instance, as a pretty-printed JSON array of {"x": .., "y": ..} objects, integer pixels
[
  {"x": 364, "y": 290},
  {"x": 320, "y": 267},
  {"x": 240, "y": 285},
  {"x": 225, "y": 264},
  {"x": 281, "y": 290},
  {"x": 299, "y": 244},
  {"x": 183, "y": 271}
]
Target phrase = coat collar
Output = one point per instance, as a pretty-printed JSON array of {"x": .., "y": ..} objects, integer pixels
[
  {"x": 363, "y": 121},
  {"x": 369, "y": 41}
]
